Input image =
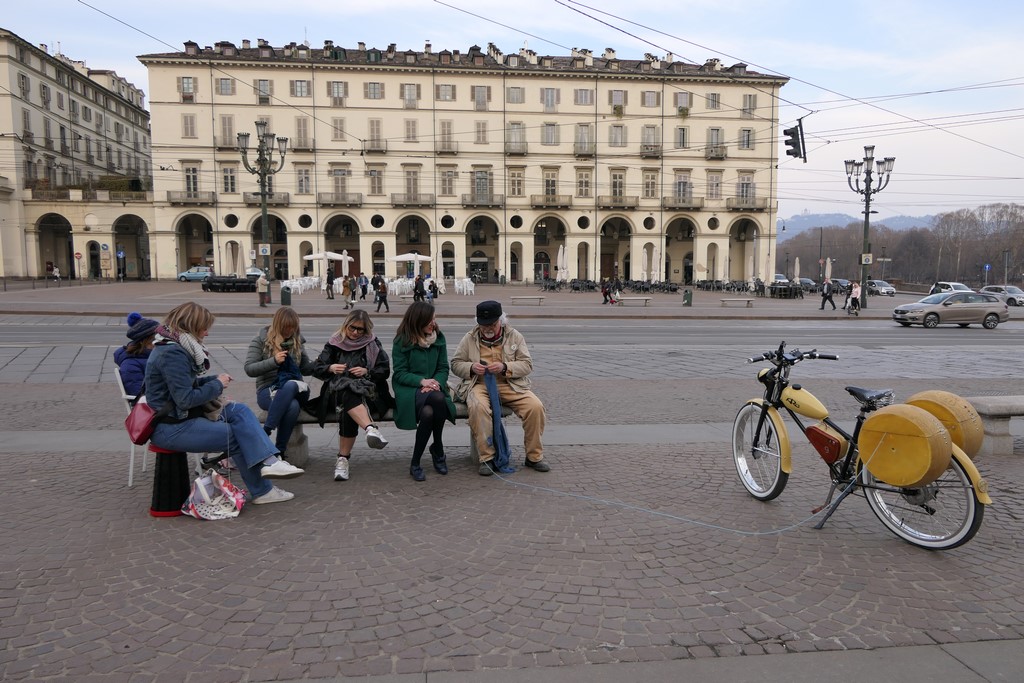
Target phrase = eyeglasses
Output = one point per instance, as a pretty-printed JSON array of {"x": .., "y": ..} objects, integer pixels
[{"x": 356, "y": 328}]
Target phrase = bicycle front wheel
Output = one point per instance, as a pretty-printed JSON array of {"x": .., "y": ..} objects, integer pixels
[
  {"x": 758, "y": 457},
  {"x": 939, "y": 516}
]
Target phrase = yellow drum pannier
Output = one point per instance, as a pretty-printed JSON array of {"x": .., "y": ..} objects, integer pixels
[
  {"x": 957, "y": 415},
  {"x": 904, "y": 445}
]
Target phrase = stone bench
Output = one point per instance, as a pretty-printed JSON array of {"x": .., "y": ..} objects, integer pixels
[
  {"x": 995, "y": 412},
  {"x": 298, "y": 445},
  {"x": 623, "y": 299},
  {"x": 749, "y": 302},
  {"x": 539, "y": 299}
]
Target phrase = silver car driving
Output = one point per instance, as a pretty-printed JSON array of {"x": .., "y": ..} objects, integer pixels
[{"x": 958, "y": 308}]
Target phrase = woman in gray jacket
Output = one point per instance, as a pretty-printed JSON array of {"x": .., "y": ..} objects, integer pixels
[{"x": 277, "y": 359}]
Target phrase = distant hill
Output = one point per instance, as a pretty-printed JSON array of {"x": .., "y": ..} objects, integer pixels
[{"x": 808, "y": 221}]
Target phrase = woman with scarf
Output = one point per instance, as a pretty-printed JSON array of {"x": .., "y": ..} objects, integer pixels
[
  {"x": 194, "y": 419},
  {"x": 355, "y": 369},
  {"x": 277, "y": 359},
  {"x": 420, "y": 382}
]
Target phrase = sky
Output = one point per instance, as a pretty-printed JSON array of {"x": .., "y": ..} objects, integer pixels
[{"x": 939, "y": 85}]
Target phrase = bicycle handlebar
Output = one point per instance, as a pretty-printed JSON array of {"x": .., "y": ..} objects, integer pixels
[{"x": 790, "y": 358}]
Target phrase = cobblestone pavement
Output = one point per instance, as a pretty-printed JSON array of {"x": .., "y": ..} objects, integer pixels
[{"x": 637, "y": 550}]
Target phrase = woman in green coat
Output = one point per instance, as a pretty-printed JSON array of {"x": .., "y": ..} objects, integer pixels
[{"x": 420, "y": 382}]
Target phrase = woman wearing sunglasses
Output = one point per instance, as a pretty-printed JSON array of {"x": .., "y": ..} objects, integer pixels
[{"x": 355, "y": 369}]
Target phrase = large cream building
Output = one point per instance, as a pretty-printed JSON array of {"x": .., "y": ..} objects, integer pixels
[
  {"x": 487, "y": 163},
  {"x": 74, "y": 167}
]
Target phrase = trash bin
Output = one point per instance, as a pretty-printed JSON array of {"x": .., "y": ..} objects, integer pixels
[
  {"x": 687, "y": 297},
  {"x": 501, "y": 279},
  {"x": 286, "y": 296}
]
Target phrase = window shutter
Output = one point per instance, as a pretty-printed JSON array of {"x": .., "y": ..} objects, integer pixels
[
  {"x": 419, "y": 91},
  {"x": 291, "y": 88},
  {"x": 625, "y": 98},
  {"x": 330, "y": 88},
  {"x": 611, "y": 97},
  {"x": 366, "y": 91},
  {"x": 437, "y": 93},
  {"x": 255, "y": 86},
  {"x": 542, "y": 95},
  {"x": 558, "y": 95},
  {"x": 657, "y": 99},
  {"x": 488, "y": 93},
  {"x": 179, "y": 83},
  {"x": 453, "y": 92}
]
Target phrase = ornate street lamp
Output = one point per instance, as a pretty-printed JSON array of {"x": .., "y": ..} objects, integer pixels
[
  {"x": 263, "y": 169},
  {"x": 853, "y": 171}
]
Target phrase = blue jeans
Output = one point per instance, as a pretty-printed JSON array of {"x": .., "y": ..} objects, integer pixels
[
  {"x": 282, "y": 410},
  {"x": 237, "y": 431}
]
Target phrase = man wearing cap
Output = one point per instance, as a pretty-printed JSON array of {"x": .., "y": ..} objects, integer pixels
[{"x": 493, "y": 347}]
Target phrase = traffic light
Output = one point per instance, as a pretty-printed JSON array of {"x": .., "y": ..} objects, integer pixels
[{"x": 794, "y": 142}]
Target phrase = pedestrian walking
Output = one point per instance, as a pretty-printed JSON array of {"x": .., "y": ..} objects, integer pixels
[
  {"x": 364, "y": 285},
  {"x": 826, "y": 294},
  {"x": 330, "y": 282},
  {"x": 382, "y": 295},
  {"x": 263, "y": 289}
]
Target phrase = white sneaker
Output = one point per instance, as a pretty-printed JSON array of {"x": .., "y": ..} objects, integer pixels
[
  {"x": 281, "y": 470},
  {"x": 374, "y": 439},
  {"x": 274, "y": 495},
  {"x": 341, "y": 469}
]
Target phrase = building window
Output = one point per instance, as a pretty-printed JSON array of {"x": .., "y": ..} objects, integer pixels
[
  {"x": 584, "y": 177},
  {"x": 410, "y": 130},
  {"x": 745, "y": 188},
  {"x": 482, "y": 183},
  {"x": 227, "y": 130},
  {"x": 682, "y": 138},
  {"x": 481, "y": 96},
  {"x": 447, "y": 184},
  {"x": 714, "y": 185},
  {"x": 337, "y": 91},
  {"x": 550, "y": 181},
  {"x": 617, "y": 135},
  {"x": 683, "y": 100},
  {"x": 225, "y": 86},
  {"x": 549, "y": 134},
  {"x": 337, "y": 129},
  {"x": 550, "y": 97},
  {"x": 714, "y": 137},
  {"x": 299, "y": 88},
  {"x": 187, "y": 88},
  {"x": 444, "y": 92},
  {"x": 376, "y": 180},
  {"x": 410, "y": 95},
  {"x": 480, "y": 132},
  {"x": 516, "y": 182},
  {"x": 583, "y": 97},
  {"x": 373, "y": 91},
  {"x": 229, "y": 180},
  {"x": 339, "y": 180},
  {"x": 650, "y": 184},
  {"x": 264, "y": 90},
  {"x": 749, "y": 106},
  {"x": 682, "y": 188},
  {"x": 713, "y": 100},
  {"x": 376, "y": 131},
  {"x": 618, "y": 183},
  {"x": 412, "y": 182},
  {"x": 516, "y": 95},
  {"x": 746, "y": 138},
  {"x": 188, "y": 125},
  {"x": 303, "y": 181},
  {"x": 191, "y": 179},
  {"x": 617, "y": 98},
  {"x": 650, "y": 98}
]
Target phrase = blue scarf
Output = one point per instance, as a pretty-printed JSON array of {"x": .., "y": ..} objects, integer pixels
[{"x": 499, "y": 439}]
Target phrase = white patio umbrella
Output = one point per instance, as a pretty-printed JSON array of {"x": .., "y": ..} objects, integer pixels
[
  {"x": 796, "y": 269},
  {"x": 326, "y": 256},
  {"x": 643, "y": 264},
  {"x": 417, "y": 258},
  {"x": 345, "y": 260},
  {"x": 828, "y": 269},
  {"x": 655, "y": 268},
  {"x": 559, "y": 262},
  {"x": 563, "y": 264}
]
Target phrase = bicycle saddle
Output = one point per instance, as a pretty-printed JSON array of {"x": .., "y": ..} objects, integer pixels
[{"x": 870, "y": 395}]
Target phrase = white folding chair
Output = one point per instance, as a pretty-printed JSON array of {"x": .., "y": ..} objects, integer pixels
[{"x": 128, "y": 400}]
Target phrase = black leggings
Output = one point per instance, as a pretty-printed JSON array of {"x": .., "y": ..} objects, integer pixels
[
  {"x": 433, "y": 411},
  {"x": 347, "y": 427}
]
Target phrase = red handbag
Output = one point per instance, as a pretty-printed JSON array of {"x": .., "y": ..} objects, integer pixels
[{"x": 141, "y": 422}]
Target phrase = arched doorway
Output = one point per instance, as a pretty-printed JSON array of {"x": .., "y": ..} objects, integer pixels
[
  {"x": 482, "y": 241},
  {"x": 195, "y": 242},
  {"x": 131, "y": 244},
  {"x": 615, "y": 239},
  {"x": 55, "y": 246},
  {"x": 278, "y": 243}
]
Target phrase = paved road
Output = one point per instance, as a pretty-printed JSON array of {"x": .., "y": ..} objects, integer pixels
[{"x": 639, "y": 552}]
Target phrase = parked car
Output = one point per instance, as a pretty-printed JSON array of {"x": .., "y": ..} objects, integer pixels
[
  {"x": 1012, "y": 295},
  {"x": 949, "y": 287},
  {"x": 253, "y": 273},
  {"x": 959, "y": 308},
  {"x": 808, "y": 285},
  {"x": 841, "y": 285},
  {"x": 880, "y": 287},
  {"x": 195, "y": 273},
  {"x": 781, "y": 279}
]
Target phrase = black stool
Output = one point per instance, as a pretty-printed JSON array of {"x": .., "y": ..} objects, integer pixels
[{"x": 172, "y": 482}]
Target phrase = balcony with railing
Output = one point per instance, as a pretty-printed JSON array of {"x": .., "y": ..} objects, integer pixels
[
  {"x": 746, "y": 203},
  {"x": 28, "y": 137},
  {"x": 614, "y": 201},
  {"x": 650, "y": 150},
  {"x": 65, "y": 150},
  {"x": 44, "y": 195},
  {"x": 375, "y": 146},
  {"x": 715, "y": 152},
  {"x": 340, "y": 198},
  {"x": 48, "y": 143},
  {"x": 483, "y": 200},
  {"x": 412, "y": 199},
  {"x": 191, "y": 197},
  {"x": 127, "y": 196},
  {"x": 516, "y": 148},
  {"x": 273, "y": 198},
  {"x": 446, "y": 147},
  {"x": 584, "y": 149},
  {"x": 302, "y": 144},
  {"x": 684, "y": 200},
  {"x": 551, "y": 201},
  {"x": 225, "y": 142}
]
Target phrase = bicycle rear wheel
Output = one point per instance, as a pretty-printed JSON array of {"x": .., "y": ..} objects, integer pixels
[
  {"x": 939, "y": 516},
  {"x": 758, "y": 462}
]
